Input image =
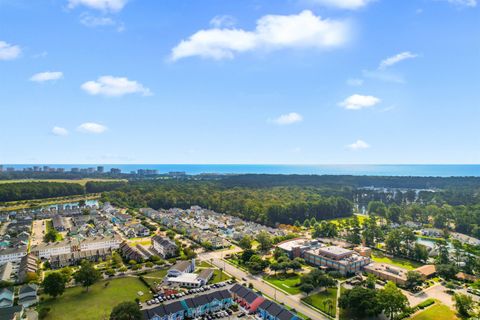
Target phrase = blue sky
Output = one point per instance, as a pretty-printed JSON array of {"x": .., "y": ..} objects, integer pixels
[{"x": 251, "y": 81}]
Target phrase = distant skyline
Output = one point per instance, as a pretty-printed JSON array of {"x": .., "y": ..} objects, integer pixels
[{"x": 239, "y": 82}]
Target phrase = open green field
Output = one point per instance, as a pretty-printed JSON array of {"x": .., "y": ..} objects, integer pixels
[
  {"x": 155, "y": 277},
  {"x": 285, "y": 282},
  {"x": 77, "y": 304},
  {"x": 317, "y": 300},
  {"x": 436, "y": 312},
  {"x": 378, "y": 256},
  {"x": 79, "y": 181}
]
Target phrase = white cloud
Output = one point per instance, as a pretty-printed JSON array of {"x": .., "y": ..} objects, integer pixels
[
  {"x": 9, "y": 51},
  {"x": 358, "y": 102},
  {"x": 273, "y": 32},
  {"x": 92, "y": 127},
  {"x": 46, "y": 76},
  {"x": 343, "y": 4},
  {"x": 93, "y": 21},
  {"x": 102, "y": 5},
  {"x": 289, "y": 118},
  {"x": 114, "y": 87},
  {"x": 358, "y": 145},
  {"x": 355, "y": 82},
  {"x": 59, "y": 131},
  {"x": 383, "y": 75},
  {"x": 223, "y": 21},
  {"x": 390, "y": 61},
  {"x": 463, "y": 3}
]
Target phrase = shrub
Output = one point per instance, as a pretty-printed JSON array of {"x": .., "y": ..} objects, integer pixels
[{"x": 426, "y": 303}]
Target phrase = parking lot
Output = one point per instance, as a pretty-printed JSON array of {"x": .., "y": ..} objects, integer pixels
[
  {"x": 160, "y": 298},
  {"x": 38, "y": 231}
]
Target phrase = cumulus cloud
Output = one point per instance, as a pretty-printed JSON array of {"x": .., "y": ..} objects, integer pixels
[
  {"x": 342, "y": 4},
  {"x": 114, "y": 87},
  {"x": 358, "y": 145},
  {"x": 102, "y": 5},
  {"x": 272, "y": 32},
  {"x": 92, "y": 127},
  {"x": 358, "y": 102},
  {"x": 59, "y": 131},
  {"x": 46, "y": 76},
  {"x": 463, "y": 3},
  {"x": 9, "y": 51},
  {"x": 223, "y": 21},
  {"x": 390, "y": 61},
  {"x": 289, "y": 118}
]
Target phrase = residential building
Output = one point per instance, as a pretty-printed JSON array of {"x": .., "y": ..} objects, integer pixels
[
  {"x": 191, "y": 307},
  {"x": 12, "y": 254},
  {"x": 269, "y": 310},
  {"x": 11, "y": 313},
  {"x": 165, "y": 247},
  {"x": 6, "y": 271},
  {"x": 28, "y": 264},
  {"x": 246, "y": 298},
  {"x": 6, "y": 297},
  {"x": 60, "y": 223},
  {"x": 27, "y": 295},
  {"x": 131, "y": 253},
  {"x": 181, "y": 267}
]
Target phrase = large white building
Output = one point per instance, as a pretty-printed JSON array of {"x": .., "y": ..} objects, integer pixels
[
  {"x": 12, "y": 254},
  {"x": 96, "y": 243},
  {"x": 48, "y": 250}
]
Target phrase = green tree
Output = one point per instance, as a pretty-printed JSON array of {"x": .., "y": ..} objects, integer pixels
[
  {"x": 126, "y": 311},
  {"x": 464, "y": 304},
  {"x": 392, "y": 300},
  {"x": 54, "y": 284},
  {"x": 360, "y": 302},
  {"x": 265, "y": 241},
  {"x": 245, "y": 242},
  {"x": 414, "y": 279},
  {"x": 87, "y": 275},
  {"x": 50, "y": 236}
]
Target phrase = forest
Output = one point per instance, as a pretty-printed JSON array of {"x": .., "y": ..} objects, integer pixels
[
  {"x": 268, "y": 206},
  {"x": 38, "y": 190},
  {"x": 16, "y": 191}
]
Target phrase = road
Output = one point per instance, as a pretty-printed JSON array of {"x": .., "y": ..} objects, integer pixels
[{"x": 291, "y": 301}]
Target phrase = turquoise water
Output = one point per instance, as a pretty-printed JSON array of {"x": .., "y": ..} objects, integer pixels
[{"x": 374, "y": 170}]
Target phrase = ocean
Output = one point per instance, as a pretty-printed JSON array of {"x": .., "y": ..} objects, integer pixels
[{"x": 372, "y": 170}]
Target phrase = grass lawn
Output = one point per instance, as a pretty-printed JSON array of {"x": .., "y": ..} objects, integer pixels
[
  {"x": 76, "y": 304},
  {"x": 218, "y": 276},
  {"x": 317, "y": 301},
  {"x": 378, "y": 256},
  {"x": 155, "y": 276},
  {"x": 203, "y": 264},
  {"x": 49, "y": 226},
  {"x": 436, "y": 312},
  {"x": 286, "y": 282}
]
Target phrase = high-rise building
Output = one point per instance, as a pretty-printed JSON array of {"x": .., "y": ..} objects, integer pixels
[
  {"x": 100, "y": 169},
  {"x": 1, "y": 168},
  {"x": 115, "y": 171}
]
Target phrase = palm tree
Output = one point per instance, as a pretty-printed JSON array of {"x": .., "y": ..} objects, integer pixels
[{"x": 328, "y": 305}]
